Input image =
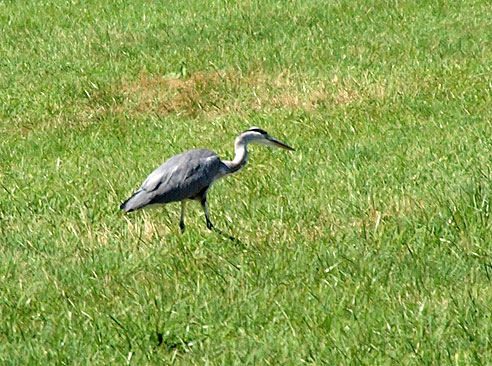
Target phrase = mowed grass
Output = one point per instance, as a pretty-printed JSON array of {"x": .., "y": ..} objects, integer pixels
[{"x": 370, "y": 244}]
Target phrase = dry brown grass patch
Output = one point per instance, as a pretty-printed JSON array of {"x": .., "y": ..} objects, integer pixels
[{"x": 220, "y": 93}]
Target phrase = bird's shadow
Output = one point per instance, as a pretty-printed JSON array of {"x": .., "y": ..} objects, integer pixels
[{"x": 229, "y": 237}]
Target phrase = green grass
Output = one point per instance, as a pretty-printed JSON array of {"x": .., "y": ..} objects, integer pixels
[{"x": 369, "y": 245}]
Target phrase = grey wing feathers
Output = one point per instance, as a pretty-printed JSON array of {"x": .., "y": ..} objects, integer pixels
[{"x": 182, "y": 176}]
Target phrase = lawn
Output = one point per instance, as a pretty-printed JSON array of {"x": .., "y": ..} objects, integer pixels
[{"x": 371, "y": 244}]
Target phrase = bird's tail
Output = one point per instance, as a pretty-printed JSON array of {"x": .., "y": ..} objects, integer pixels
[
  {"x": 133, "y": 203},
  {"x": 124, "y": 205}
]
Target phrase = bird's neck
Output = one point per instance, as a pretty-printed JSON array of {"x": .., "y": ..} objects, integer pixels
[{"x": 241, "y": 158}]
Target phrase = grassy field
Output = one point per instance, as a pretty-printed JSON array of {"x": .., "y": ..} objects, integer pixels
[{"x": 369, "y": 245}]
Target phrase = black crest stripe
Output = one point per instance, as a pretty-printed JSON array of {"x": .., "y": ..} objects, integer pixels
[{"x": 259, "y": 130}]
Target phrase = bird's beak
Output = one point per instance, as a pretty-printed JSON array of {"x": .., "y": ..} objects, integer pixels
[{"x": 279, "y": 144}]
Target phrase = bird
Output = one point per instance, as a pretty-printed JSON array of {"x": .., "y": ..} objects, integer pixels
[{"x": 189, "y": 175}]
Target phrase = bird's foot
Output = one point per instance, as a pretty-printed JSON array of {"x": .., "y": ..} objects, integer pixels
[
  {"x": 182, "y": 227},
  {"x": 209, "y": 225}
]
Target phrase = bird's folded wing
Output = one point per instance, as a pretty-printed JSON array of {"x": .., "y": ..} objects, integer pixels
[{"x": 181, "y": 177}]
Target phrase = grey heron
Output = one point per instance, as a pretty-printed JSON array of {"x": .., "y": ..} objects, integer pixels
[{"x": 189, "y": 175}]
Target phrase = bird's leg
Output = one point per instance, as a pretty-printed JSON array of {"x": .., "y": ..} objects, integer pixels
[
  {"x": 182, "y": 221},
  {"x": 203, "y": 201}
]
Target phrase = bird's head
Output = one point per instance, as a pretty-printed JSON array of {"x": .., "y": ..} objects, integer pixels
[{"x": 258, "y": 136}]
